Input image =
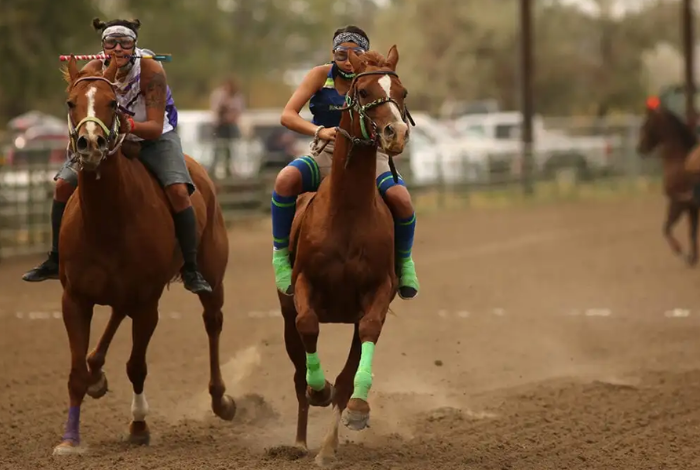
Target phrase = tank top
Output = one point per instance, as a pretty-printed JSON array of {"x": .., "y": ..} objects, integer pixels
[
  {"x": 326, "y": 103},
  {"x": 131, "y": 100}
]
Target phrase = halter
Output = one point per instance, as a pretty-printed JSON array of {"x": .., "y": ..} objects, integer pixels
[
  {"x": 371, "y": 138},
  {"x": 114, "y": 139}
]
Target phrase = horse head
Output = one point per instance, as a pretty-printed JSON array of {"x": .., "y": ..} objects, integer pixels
[
  {"x": 92, "y": 103},
  {"x": 661, "y": 125},
  {"x": 376, "y": 100}
]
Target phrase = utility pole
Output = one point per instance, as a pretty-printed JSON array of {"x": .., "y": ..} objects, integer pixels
[{"x": 526, "y": 98}]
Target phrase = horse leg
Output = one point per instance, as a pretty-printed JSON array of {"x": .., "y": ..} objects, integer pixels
[
  {"x": 343, "y": 390},
  {"x": 222, "y": 405},
  {"x": 693, "y": 226},
  {"x": 144, "y": 322},
  {"x": 295, "y": 351},
  {"x": 96, "y": 359},
  {"x": 319, "y": 391},
  {"x": 357, "y": 414},
  {"x": 673, "y": 213},
  {"x": 77, "y": 316}
]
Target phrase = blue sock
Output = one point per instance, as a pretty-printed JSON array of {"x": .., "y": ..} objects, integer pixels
[
  {"x": 404, "y": 229},
  {"x": 283, "y": 209}
]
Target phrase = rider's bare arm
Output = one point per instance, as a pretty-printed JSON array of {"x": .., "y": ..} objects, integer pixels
[
  {"x": 154, "y": 88},
  {"x": 311, "y": 83}
]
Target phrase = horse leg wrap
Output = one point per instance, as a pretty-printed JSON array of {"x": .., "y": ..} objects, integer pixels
[
  {"x": 363, "y": 376},
  {"x": 314, "y": 374}
]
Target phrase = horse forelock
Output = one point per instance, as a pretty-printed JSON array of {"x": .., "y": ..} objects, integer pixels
[
  {"x": 374, "y": 59},
  {"x": 83, "y": 73}
]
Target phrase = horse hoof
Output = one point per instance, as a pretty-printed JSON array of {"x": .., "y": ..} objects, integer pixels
[
  {"x": 68, "y": 448},
  {"x": 325, "y": 459},
  {"x": 226, "y": 409},
  {"x": 321, "y": 398},
  {"x": 139, "y": 434},
  {"x": 99, "y": 388},
  {"x": 356, "y": 416}
]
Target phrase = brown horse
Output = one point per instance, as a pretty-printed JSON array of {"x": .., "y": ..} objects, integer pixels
[
  {"x": 662, "y": 128},
  {"x": 118, "y": 248},
  {"x": 343, "y": 251}
]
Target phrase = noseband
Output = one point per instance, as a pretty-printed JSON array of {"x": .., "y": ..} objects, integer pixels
[
  {"x": 114, "y": 139},
  {"x": 369, "y": 138}
]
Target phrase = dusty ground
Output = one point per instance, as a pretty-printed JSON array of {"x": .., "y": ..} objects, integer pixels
[{"x": 544, "y": 338}]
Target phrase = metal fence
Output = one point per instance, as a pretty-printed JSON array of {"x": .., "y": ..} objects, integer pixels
[{"x": 26, "y": 185}]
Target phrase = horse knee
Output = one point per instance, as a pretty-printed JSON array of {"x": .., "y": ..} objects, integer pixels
[
  {"x": 178, "y": 196},
  {"x": 288, "y": 182},
  {"x": 307, "y": 324},
  {"x": 399, "y": 201},
  {"x": 63, "y": 190}
]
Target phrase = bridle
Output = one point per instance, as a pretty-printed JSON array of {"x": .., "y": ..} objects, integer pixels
[
  {"x": 114, "y": 139},
  {"x": 370, "y": 137}
]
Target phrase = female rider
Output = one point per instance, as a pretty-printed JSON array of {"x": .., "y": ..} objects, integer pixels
[
  {"x": 148, "y": 115},
  {"x": 324, "y": 88}
]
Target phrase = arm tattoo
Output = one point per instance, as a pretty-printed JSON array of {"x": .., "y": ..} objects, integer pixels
[{"x": 156, "y": 91}]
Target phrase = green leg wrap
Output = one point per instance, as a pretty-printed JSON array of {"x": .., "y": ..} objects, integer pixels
[
  {"x": 314, "y": 373},
  {"x": 363, "y": 377}
]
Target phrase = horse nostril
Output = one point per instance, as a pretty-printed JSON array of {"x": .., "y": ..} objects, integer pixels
[
  {"x": 82, "y": 144},
  {"x": 101, "y": 142},
  {"x": 389, "y": 131}
]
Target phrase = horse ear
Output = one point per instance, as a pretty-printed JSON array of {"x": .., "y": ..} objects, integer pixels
[
  {"x": 111, "y": 72},
  {"x": 358, "y": 66},
  {"x": 392, "y": 58},
  {"x": 72, "y": 69}
]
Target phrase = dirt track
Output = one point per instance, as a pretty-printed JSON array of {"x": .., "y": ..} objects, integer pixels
[{"x": 555, "y": 329}]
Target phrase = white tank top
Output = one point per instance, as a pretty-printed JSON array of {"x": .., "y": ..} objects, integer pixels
[{"x": 132, "y": 101}]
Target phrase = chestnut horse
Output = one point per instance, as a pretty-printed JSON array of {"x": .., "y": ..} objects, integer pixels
[
  {"x": 118, "y": 248},
  {"x": 662, "y": 128},
  {"x": 342, "y": 249}
]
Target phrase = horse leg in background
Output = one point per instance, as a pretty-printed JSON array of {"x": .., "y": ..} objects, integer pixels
[
  {"x": 144, "y": 322},
  {"x": 222, "y": 405},
  {"x": 693, "y": 210},
  {"x": 343, "y": 391},
  {"x": 673, "y": 213},
  {"x": 295, "y": 351},
  {"x": 96, "y": 359},
  {"x": 77, "y": 316},
  {"x": 357, "y": 414},
  {"x": 319, "y": 391}
]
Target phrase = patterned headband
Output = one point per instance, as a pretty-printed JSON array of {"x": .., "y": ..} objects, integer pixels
[
  {"x": 351, "y": 37},
  {"x": 119, "y": 30}
]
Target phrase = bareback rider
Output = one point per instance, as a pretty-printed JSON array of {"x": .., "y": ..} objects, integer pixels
[{"x": 148, "y": 116}]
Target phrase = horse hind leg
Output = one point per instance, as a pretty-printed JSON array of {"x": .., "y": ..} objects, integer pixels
[
  {"x": 693, "y": 211},
  {"x": 222, "y": 405},
  {"x": 143, "y": 325},
  {"x": 343, "y": 391},
  {"x": 96, "y": 359},
  {"x": 673, "y": 213},
  {"x": 319, "y": 391}
]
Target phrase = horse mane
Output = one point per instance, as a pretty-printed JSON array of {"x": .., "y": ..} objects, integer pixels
[
  {"x": 374, "y": 59},
  {"x": 686, "y": 134}
]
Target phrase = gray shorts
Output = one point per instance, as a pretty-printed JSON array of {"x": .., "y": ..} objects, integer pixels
[{"x": 163, "y": 157}]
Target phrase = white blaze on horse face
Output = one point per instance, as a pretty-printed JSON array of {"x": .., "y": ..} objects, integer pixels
[
  {"x": 90, "y": 126},
  {"x": 385, "y": 83}
]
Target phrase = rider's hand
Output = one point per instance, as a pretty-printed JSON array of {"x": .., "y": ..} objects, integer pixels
[
  {"x": 124, "y": 123},
  {"x": 327, "y": 134}
]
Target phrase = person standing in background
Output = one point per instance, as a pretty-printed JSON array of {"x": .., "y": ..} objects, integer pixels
[{"x": 227, "y": 105}]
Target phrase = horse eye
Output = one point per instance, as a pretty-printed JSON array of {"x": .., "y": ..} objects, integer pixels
[
  {"x": 70, "y": 104},
  {"x": 364, "y": 94},
  {"x": 405, "y": 94},
  {"x": 113, "y": 104}
]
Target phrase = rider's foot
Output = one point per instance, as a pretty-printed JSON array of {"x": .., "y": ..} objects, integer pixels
[
  {"x": 194, "y": 281},
  {"x": 46, "y": 270},
  {"x": 283, "y": 270},
  {"x": 408, "y": 282}
]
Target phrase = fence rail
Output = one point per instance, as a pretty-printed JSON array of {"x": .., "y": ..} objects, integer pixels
[{"x": 26, "y": 189}]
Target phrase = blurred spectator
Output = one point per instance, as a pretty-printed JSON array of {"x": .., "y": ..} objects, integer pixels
[{"x": 227, "y": 105}]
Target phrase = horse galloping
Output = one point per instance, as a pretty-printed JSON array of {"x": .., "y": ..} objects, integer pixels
[
  {"x": 664, "y": 129},
  {"x": 342, "y": 247},
  {"x": 118, "y": 248}
]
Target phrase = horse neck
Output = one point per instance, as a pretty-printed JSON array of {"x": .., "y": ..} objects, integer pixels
[
  {"x": 353, "y": 188},
  {"x": 104, "y": 199}
]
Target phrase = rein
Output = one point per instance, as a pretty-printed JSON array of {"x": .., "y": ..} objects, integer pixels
[
  {"x": 371, "y": 138},
  {"x": 114, "y": 139}
]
